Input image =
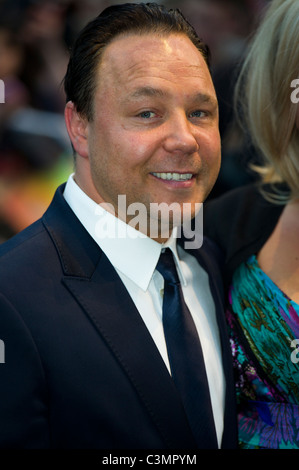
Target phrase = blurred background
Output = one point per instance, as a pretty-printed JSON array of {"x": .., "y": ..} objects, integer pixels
[{"x": 35, "y": 39}]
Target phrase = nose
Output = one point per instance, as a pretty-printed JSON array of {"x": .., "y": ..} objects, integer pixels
[{"x": 180, "y": 136}]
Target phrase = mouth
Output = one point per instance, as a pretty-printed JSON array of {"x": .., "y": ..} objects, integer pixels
[{"x": 174, "y": 176}]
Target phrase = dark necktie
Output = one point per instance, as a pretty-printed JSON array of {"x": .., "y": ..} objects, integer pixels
[{"x": 185, "y": 356}]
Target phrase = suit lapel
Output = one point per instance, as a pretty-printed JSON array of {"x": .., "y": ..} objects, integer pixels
[{"x": 96, "y": 286}]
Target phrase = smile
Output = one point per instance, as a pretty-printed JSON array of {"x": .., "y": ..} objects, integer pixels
[{"x": 174, "y": 176}]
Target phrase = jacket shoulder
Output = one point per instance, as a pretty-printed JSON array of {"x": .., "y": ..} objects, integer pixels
[
  {"x": 25, "y": 255},
  {"x": 22, "y": 241},
  {"x": 227, "y": 210},
  {"x": 241, "y": 220}
]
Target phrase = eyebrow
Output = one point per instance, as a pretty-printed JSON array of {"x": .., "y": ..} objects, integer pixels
[{"x": 149, "y": 91}]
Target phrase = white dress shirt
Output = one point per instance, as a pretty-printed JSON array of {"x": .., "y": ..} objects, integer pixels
[{"x": 135, "y": 256}]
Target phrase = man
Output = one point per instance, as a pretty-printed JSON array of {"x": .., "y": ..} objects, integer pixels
[{"x": 86, "y": 362}]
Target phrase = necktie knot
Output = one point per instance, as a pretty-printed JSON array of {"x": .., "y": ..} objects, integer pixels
[{"x": 166, "y": 267}]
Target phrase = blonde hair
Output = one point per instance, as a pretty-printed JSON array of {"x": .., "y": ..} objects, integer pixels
[{"x": 264, "y": 92}]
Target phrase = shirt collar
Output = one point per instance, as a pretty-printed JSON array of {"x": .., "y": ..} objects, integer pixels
[{"x": 130, "y": 252}]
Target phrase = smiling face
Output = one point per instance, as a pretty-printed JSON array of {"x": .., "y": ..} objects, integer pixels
[{"x": 154, "y": 134}]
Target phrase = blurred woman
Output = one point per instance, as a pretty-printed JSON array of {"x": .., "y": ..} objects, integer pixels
[{"x": 257, "y": 227}]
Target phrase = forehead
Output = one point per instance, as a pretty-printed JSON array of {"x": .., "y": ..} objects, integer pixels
[{"x": 131, "y": 60}]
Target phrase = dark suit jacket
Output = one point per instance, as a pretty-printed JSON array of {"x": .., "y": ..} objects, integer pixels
[
  {"x": 81, "y": 369},
  {"x": 241, "y": 221}
]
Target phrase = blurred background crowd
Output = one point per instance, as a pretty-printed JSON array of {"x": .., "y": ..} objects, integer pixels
[{"x": 35, "y": 39}]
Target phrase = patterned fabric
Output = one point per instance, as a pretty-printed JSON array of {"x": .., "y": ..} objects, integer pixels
[{"x": 264, "y": 327}]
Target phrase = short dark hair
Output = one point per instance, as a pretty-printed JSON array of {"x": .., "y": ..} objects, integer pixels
[{"x": 117, "y": 20}]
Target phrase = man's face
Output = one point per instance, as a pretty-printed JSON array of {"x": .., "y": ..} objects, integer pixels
[{"x": 154, "y": 135}]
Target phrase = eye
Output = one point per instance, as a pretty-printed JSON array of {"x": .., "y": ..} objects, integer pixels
[
  {"x": 147, "y": 114},
  {"x": 198, "y": 114}
]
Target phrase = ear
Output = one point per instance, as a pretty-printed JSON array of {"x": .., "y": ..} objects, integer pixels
[{"x": 77, "y": 128}]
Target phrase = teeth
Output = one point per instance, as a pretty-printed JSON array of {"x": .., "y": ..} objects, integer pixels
[{"x": 174, "y": 176}]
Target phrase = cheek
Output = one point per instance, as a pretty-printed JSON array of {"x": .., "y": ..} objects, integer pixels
[
  {"x": 134, "y": 150},
  {"x": 212, "y": 149}
]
